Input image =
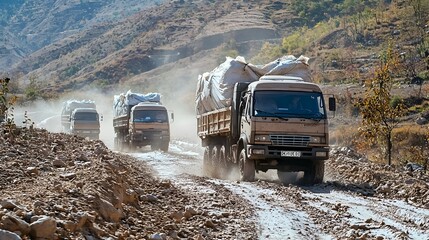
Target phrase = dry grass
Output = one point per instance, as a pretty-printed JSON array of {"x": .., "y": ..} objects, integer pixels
[{"x": 410, "y": 143}]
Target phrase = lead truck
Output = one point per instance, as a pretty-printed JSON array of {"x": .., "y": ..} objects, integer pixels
[
  {"x": 277, "y": 121},
  {"x": 140, "y": 120}
]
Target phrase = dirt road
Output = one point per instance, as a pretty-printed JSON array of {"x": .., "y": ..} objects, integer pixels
[
  {"x": 290, "y": 211},
  {"x": 84, "y": 190}
]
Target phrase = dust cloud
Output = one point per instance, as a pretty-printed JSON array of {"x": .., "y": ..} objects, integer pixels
[{"x": 47, "y": 115}]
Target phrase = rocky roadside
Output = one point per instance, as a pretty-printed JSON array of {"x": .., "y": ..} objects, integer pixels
[
  {"x": 59, "y": 186},
  {"x": 351, "y": 171}
]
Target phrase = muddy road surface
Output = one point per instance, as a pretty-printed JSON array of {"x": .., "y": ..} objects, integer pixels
[{"x": 330, "y": 210}]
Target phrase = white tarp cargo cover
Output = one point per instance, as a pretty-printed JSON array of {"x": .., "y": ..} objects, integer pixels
[
  {"x": 70, "y": 105},
  {"x": 215, "y": 88},
  {"x": 122, "y": 102}
]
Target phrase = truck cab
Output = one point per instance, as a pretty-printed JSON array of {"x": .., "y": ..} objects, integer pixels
[
  {"x": 149, "y": 125},
  {"x": 283, "y": 126},
  {"x": 85, "y": 122}
]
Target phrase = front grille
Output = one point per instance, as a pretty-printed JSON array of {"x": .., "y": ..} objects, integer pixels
[{"x": 289, "y": 140}]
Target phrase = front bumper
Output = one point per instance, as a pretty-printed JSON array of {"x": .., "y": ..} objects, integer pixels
[
  {"x": 147, "y": 139},
  {"x": 275, "y": 152},
  {"x": 91, "y": 134},
  {"x": 270, "y": 157}
]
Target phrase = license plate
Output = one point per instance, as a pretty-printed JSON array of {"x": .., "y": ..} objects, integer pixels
[{"x": 290, "y": 154}]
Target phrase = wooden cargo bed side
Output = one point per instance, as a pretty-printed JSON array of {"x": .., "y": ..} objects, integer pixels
[
  {"x": 120, "y": 122},
  {"x": 217, "y": 122}
]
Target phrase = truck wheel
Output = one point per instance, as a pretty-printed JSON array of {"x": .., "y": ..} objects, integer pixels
[
  {"x": 207, "y": 163},
  {"x": 164, "y": 146},
  {"x": 154, "y": 146},
  {"x": 246, "y": 167},
  {"x": 287, "y": 177},
  {"x": 120, "y": 145},
  {"x": 223, "y": 162},
  {"x": 215, "y": 158},
  {"x": 132, "y": 147},
  {"x": 314, "y": 173},
  {"x": 115, "y": 143}
]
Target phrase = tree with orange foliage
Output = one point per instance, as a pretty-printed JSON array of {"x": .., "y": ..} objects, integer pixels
[{"x": 380, "y": 115}]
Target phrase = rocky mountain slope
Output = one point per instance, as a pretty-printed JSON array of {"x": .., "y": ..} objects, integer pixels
[
  {"x": 36, "y": 24},
  {"x": 109, "y": 54}
]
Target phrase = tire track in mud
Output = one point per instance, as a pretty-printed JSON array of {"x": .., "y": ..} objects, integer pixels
[{"x": 347, "y": 215}]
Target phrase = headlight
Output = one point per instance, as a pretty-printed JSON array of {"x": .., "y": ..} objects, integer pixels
[
  {"x": 262, "y": 138},
  {"x": 317, "y": 140},
  {"x": 321, "y": 154},
  {"x": 258, "y": 151}
]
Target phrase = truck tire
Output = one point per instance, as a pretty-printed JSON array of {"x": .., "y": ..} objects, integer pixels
[
  {"x": 215, "y": 161},
  {"x": 246, "y": 167},
  {"x": 115, "y": 144},
  {"x": 164, "y": 146},
  {"x": 155, "y": 146},
  {"x": 225, "y": 165},
  {"x": 315, "y": 172},
  {"x": 120, "y": 145},
  {"x": 207, "y": 162},
  {"x": 132, "y": 147}
]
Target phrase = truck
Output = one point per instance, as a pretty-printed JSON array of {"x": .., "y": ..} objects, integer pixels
[
  {"x": 80, "y": 117},
  {"x": 85, "y": 122},
  {"x": 140, "y": 120},
  {"x": 259, "y": 129}
]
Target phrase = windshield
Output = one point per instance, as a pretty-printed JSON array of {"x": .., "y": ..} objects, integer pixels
[
  {"x": 288, "y": 104},
  {"x": 150, "y": 116},
  {"x": 86, "y": 116}
]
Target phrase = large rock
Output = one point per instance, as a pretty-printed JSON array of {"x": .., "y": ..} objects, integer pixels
[
  {"x": 44, "y": 228},
  {"x": 108, "y": 211},
  {"x": 14, "y": 224},
  {"x": 6, "y": 235}
]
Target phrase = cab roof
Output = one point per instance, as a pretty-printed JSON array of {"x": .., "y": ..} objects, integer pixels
[
  {"x": 149, "y": 105},
  {"x": 285, "y": 83},
  {"x": 84, "y": 110}
]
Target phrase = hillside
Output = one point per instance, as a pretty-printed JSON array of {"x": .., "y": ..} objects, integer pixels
[
  {"x": 107, "y": 54},
  {"x": 165, "y": 48},
  {"x": 35, "y": 24},
  {"x": 111, "y": 54}
]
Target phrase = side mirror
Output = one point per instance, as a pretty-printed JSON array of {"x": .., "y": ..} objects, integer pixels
[
  {"x": 172, "y": 117},
  {"x": 332, "y": 104},
  {"x": 101, "y": 117}
]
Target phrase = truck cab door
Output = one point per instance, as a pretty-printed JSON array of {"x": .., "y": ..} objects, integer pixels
[{"x": 245, "y": 113}]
